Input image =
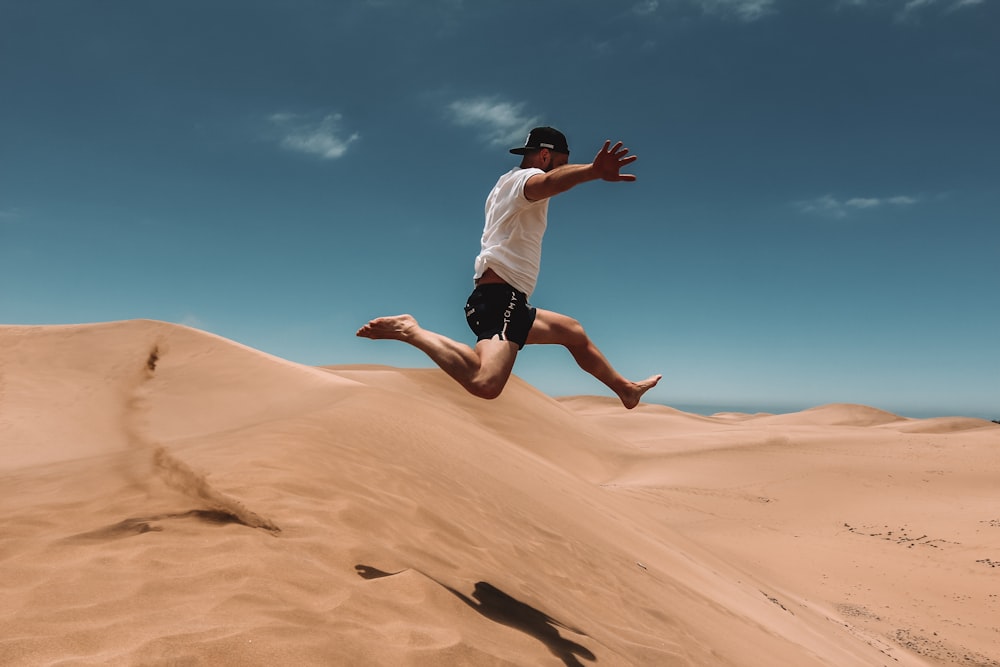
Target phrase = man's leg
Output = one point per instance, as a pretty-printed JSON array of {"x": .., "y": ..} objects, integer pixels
[
  {"x": 483, "y": 371},
  {"x": 551, "y": 328}
]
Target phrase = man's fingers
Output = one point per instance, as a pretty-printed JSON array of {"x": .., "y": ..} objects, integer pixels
[
  {"x": 620, "y": 153},
  {"x": 612, "y": 158}
]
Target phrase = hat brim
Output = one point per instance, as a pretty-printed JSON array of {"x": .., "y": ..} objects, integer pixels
[{"x": 521, "y": 150}]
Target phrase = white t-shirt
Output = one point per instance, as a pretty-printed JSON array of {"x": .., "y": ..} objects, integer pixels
[{"x": 512, "y": 236}]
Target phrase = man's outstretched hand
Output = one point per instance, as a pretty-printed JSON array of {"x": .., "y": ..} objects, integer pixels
[{"x": 611, "y": 159}]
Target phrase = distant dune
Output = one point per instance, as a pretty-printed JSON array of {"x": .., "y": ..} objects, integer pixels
[{"x": 170, "y": 497}]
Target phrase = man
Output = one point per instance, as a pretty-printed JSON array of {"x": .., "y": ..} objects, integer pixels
[{"x": 506, "y": 272}]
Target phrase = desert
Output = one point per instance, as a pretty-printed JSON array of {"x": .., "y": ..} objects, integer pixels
[{"x": 171, "y": 497}]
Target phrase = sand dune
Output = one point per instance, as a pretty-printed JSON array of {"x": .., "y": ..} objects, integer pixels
[{"x": 171, "y": 497}]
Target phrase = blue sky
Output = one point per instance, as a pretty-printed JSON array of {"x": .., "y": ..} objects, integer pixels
[{"x": 814, "y": 220}]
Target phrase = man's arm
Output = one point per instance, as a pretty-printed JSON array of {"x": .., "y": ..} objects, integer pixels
[{"x": 606, "y": 166}]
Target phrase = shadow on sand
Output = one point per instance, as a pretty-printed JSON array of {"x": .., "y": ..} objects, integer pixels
[{"x": 499, "y": 607}]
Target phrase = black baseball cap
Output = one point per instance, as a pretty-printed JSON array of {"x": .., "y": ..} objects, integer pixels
[{"x": 543, "y": 137}]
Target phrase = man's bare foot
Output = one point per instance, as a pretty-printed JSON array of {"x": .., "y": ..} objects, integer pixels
[
  {"x": 632, "y": 393},
  {"x": 398, "y": 327}
]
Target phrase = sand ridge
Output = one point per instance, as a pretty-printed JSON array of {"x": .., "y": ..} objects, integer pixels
[{"x": 168, "y": 496}]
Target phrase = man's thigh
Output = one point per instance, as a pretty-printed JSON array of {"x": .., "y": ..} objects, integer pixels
[{"x": 552, "y": 328}]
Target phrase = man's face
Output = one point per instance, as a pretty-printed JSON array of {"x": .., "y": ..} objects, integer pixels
[{"x": 556, "y": 160}]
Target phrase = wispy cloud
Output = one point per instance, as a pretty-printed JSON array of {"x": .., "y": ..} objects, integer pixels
[
  {"x": 324, "y": 137},
  {"x": 910, "y": 10},
  {"x": 9, "y": 214},
  {"x": 749, "y": 11},
  {"x": 453, "y": 5},
  {"x": 914, "y": 5},
  {"x": 498, "y": 122},
  {"x": 911, "y": 7},
  {"x": 744, "y": 10},
  {"x": 752, "y": 10},
  {"x": 645, "y": 7},
  {"x": 831, "y": 207}
]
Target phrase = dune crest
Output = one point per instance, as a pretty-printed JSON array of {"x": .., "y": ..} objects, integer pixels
[
  {"x": 837, "y": 414},
  {"x": 419, "y": 525}
]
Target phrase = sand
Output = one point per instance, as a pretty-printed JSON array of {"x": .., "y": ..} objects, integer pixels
[{"x": 169, "y": 497}]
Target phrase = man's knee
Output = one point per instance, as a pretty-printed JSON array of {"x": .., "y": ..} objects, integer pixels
[
  {"x": 573, "y": 333},
  {"x": 488, "y": 389}
]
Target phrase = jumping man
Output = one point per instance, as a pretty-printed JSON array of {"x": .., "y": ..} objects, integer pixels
[{"x": 506, "y": 272}]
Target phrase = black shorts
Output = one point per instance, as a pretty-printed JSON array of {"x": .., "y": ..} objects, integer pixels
[{"x": 497, "y": 309}]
